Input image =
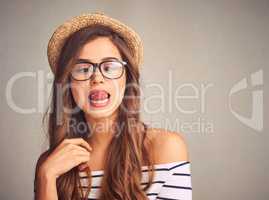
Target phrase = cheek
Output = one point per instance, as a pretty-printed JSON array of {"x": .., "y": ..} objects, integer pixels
[
  {"x": 118, "y": 89},
  {"x": 79, "y": 92},
  {"x": 122, "y": 85}
]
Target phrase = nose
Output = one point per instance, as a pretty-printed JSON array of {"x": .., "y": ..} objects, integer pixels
[{"x": 97, "y": 77}]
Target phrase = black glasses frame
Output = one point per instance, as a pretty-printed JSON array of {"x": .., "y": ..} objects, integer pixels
[{"x": 98, "y": 65}]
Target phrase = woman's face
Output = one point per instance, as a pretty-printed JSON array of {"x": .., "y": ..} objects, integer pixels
[{"x": 99, "y": 97}]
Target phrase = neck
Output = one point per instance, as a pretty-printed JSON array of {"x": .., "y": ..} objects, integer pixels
[{"x": 101, "y": 130}]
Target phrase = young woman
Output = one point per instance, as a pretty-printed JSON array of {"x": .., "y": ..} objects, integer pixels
[{"x": 99, "y": 147}]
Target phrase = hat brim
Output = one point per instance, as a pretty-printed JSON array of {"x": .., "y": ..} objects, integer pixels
[{"x": 61, "y": 34}]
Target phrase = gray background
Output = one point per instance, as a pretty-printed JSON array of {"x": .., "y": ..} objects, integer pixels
[{"x": 198, "y": 42}]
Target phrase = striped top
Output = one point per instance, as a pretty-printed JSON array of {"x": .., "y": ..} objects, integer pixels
[{"x": 172, "y": 181}]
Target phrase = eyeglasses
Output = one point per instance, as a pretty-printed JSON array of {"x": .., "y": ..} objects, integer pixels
[{"x": 111, "y": 69}]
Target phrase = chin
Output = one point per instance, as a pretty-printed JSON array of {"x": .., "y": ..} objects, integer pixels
[{"x": 99, "y": 114}]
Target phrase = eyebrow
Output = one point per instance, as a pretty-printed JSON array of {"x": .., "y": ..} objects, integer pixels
[{"x": 83, "y": 60}]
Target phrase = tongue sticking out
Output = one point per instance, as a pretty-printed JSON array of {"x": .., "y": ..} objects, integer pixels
[
  {"x": 99, "y": 98},
  {"x": 99, "y": 95}
]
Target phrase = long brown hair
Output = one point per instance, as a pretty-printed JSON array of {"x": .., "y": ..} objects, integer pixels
[{"x": 127, "y": 152}]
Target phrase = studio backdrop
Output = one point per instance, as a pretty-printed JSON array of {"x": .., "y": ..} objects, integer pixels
[{"x": 204, "y": 75}]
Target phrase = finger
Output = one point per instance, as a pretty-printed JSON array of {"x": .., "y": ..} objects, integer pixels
[
  {"x": 74, "y": 147},
  {"x": 79, "y": 159},
  {"x": 81, "y": 142},
  {"x": 79, "y": 151},
  {"x": 75, "y": 153}
]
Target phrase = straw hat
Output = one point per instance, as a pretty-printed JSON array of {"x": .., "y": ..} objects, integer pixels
[{"x": 69, "y": 27}]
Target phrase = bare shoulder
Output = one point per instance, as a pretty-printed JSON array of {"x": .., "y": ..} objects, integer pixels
[{"x": 168, "y": 146}]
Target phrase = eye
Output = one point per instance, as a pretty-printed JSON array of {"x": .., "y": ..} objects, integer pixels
[
  {"x": 81, "y": 68},
  {"x": 111, "y": 66}
]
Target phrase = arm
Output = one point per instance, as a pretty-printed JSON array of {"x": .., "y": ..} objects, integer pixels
[
  {"x": 44, "y": 184},
  {"x": 67, "y": 155}
]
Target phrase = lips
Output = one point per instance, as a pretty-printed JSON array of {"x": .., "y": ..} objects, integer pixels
[{"x": 99, "y": 98}]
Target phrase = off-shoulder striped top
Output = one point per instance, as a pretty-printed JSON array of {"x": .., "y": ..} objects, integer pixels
[{"x": 172, "y": 181}]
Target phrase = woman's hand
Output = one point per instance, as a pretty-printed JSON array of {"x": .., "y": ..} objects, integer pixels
[{"x": 68, "y": 154}]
